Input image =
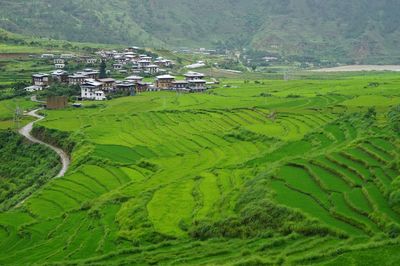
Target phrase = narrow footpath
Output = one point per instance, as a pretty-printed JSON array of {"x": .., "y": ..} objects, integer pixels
[{"x": 26, "y": 132}]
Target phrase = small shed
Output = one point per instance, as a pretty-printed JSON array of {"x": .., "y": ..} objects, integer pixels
[{"x": 56, "y": 102}]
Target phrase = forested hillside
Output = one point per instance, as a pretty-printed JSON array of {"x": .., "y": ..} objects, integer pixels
[{"x": 355, "y": 30}]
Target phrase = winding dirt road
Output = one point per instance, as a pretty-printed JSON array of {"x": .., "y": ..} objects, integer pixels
[{"x": 26, "y": 132}]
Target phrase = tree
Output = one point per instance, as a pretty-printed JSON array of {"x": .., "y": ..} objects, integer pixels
[{"x": 103, "y": 73}]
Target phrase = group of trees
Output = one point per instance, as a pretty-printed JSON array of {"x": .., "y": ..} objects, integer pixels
[{"x": 23, "y": 167}]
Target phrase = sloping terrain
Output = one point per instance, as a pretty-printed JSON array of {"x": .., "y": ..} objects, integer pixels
[
  {"x": 350, "y": 31},
  {"x": 295, "y": 172}
]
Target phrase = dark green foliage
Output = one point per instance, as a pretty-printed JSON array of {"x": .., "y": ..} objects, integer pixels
[
  {"x": 394, "y": 119},
  {"x": 58, "y": 89},
  {"x": 103, "y": 67},
  {"x": 24, "y": 166},
  {"x": 307, "y": 31},
  {"x": 54, "y": 137}
]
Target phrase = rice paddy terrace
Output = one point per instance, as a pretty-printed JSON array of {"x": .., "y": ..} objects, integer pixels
[{"x": 269, "y": 172}]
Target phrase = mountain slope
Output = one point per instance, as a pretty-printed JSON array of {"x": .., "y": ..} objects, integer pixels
[{"x": 356, "y": 29}]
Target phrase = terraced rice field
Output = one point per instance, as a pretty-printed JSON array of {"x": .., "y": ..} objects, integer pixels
[{"x": 164, "y": 178}]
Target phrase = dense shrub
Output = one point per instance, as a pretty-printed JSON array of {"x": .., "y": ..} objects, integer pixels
[
  {"x": 24, "y": 166},
  {"x": 54, "y": 137}
]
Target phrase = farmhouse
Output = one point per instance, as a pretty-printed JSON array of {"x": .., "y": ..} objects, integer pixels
[
  {"x": 67, "y": 56},
  {"x": 40, "y": 79},
  {"x": 134, "y": 79},
  {"x": 142, "y": 86},
  {"x": 91, "y": 90},
  {"x": 181, "y": 86},
  {"x": 60, "y": 76},
  {"x": 117, "y": 66},
  {"x": 197, "y": 85},
  {"x": 89, "y": 73},
  {"x": 76, "y": 79},
  {"x": 164, "y": 81},
  {"x": 194, "y": 75},
  {"x": 143, "y": 63},
  {"x": 152, "y": 69},
  {"x": 33, "y": 88},
  {"x": 107, "y": 84},
  {"x": 59, "y": 61},
  {"x": 126, "y": 87},
  {"x": 163, "y": 62},
  {"x": 91, "y": 61},
  {"x": 59, "y": 66},
  {"x": 46, "y": 56},
  {"x": 145, "y": 58}
]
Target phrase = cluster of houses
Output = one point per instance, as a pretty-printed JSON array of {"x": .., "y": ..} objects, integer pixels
[
  {"x": 95, "y": 88},
  {"x": 130, "y": 60}
]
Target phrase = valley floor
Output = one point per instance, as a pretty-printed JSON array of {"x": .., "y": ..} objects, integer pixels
[{"x": 261, "y": 173}]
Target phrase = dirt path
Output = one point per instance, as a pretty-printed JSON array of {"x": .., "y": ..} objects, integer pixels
[{"x": 26, "y": 132}]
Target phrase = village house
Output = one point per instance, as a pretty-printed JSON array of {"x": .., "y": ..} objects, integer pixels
[
  {"x": 161, "y": 62},
  {"x": 107, "y": 84},
  {"x": 60, "y": 76},
  {"x": 126, "y": 86},
  {"x": 76, "y": 79},
  {"x": 152, "y": 69},
  {"x": 134, "y": 79},
  {"x": 47, "y": 56},
  {"x": 144, "y": 57},
  {"x": 181, "y": 86},
  {"x": 33, "y": 88},
  {"x": 197, "y": 85},
  {"x": 59, "y": 61},
  {"x": 143, "y": 63},
  {"x": 142, "y": 86},
  {"x": 89, "y": 73},
  {"x": 91, "y": 61},
  {"x": 59, "y": 66},
  {"x": 194, "y": 76},
  {"x": 40, "y": 79},
  {"x": 91, "y": 90},
  {"x": 164, "y": 82},
  {"x": 117, "y": 66},
  {"x": 67, "y": 56}
]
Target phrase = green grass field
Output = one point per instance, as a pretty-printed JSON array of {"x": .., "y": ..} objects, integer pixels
[{"x": 269, "y": 172}]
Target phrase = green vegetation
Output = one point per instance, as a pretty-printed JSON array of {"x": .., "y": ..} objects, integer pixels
[
  {"x": 253, "y": 172},
  {"x": 357, "y": 31},
  {"x": 24, "y": 168}
]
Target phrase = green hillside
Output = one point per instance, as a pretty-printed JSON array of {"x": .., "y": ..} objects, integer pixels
[
  {"x": 262, "y": 173},
  {"x": 355, "y": 31}
]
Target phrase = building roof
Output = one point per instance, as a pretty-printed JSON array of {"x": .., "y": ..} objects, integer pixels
[
  {"x": 194, "y": 74},
  {"x": 77, "y": 76},
  {"x": 34, "y": 87},
  {"x": 105, "y": 80},
  {"x": 126, "y": 84},
  {"x": 152, "y": 66},
  {"x": 180, "y": 82},
  {"x": 197, "y": 81},
  {"x": 134, "y": 78},
  {"x": 165, "y": 77},
  {"x": 40, "y": 75},
  {"x": 92, "y": 83},
  {"x": 59, "y": 72}
]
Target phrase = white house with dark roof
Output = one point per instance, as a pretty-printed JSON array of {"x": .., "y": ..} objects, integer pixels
[
  {"x": 41, "y": 79},
  {"x": 152, "y": 69},
  {"x": 92, "y": 90},
  {"x": 194, "y": 75}
]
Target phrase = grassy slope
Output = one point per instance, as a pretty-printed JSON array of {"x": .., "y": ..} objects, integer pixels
[
  {"x": 147, "y": 167},
  {"x": 363, "y": 30}
]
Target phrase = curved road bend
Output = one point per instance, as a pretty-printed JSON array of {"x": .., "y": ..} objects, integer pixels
[{"x": 26, "y": 132}]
